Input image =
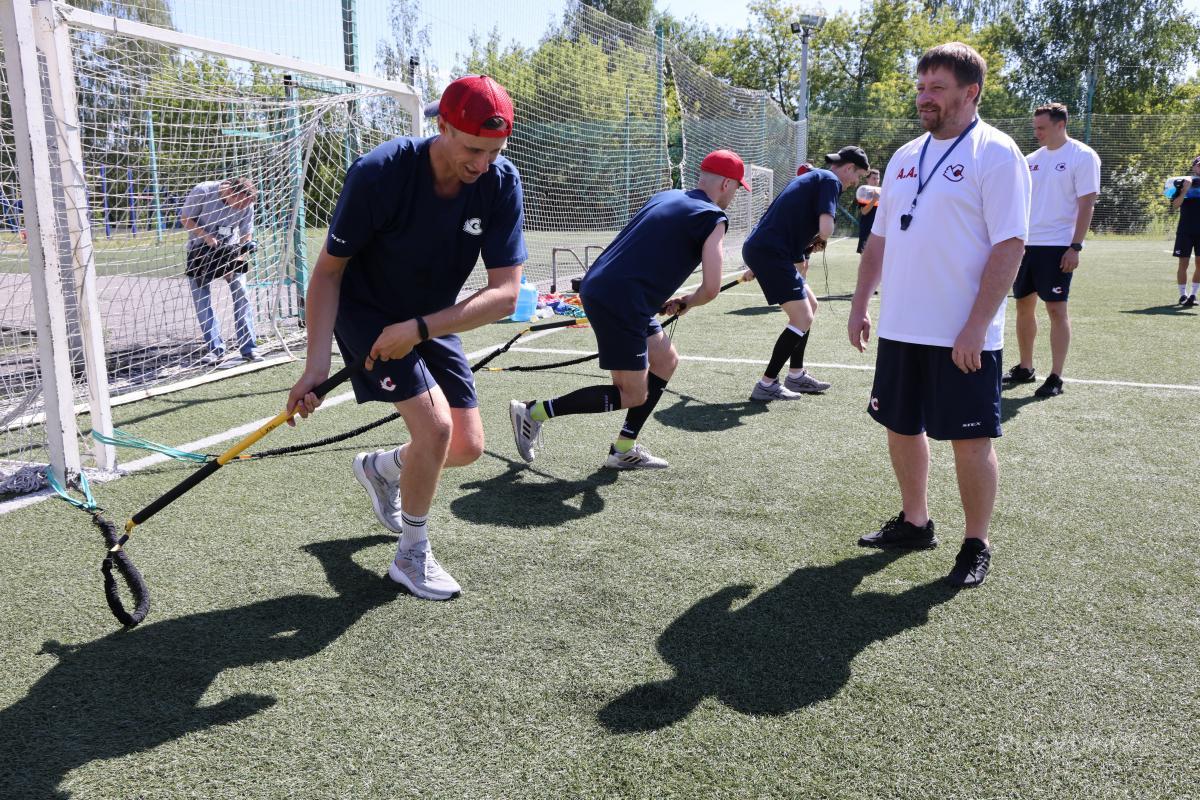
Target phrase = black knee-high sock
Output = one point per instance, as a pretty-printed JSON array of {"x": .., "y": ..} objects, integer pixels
[
  {"x": 588, "y": 400},
  {"x": 637, "y": 416},
  {"x": 785, "y": 345},
  {"x": 798, "y": 353}
]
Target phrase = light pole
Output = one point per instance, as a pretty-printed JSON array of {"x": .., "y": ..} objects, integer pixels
[{"x": 805, "y": 25}]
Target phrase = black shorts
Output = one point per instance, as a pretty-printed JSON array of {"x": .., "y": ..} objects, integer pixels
[
  {"x": 918, "y": 389},
  {"x": 621, "y": 338},
  {"x": 1187, "y": 241},
  {"x": 1041, "y": 272},
  {"x": 438, "y": 362},
  {"x": 778, "y": 278}
]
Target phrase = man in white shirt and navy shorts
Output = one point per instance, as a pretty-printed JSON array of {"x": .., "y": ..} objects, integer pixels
[
  {"x": 1066, "y": 179},
  {"x": 947, "y": 242}
]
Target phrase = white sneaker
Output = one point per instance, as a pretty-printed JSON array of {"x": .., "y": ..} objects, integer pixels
[
  {"x": 212, "y": 357},
  {"x": 420, "y": 573},
  {"x": 637, "y": 458},
  {"x": 526, "y": 430},
  {"x": 805, "y": 383},
  {"x": 385, "y": 496},
  {"x": 776, "y": 391}
]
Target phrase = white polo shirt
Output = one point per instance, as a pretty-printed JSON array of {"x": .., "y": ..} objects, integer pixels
[
  {"x": 976, "y": 199},
  {"x": 1060, "y": 178}
]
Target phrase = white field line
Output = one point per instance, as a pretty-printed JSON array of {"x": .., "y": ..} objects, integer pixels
[{"x": 1183, "y": 387}]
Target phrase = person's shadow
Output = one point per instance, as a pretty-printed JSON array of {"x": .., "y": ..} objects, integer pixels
[
  {"x": 788, "y": 648},
  {"x": 692, "y": 414},
  {"x": 1155, "y": 311},
  {"x": 134, "y": 690},
  {"x": 1011, "y": 406},
  {"x": 513, "y": 500}
]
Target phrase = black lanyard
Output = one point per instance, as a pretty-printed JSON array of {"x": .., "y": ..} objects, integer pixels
[{"x": 906, "y": 219}]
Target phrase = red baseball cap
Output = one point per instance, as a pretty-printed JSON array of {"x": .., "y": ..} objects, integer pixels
[
  {"x": 727, "y": 164},
  {"x": 476, "y": 105}
]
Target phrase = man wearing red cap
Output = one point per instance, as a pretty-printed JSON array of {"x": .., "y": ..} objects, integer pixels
[
  {"x": 797, "y": 222},
  {"x": 629, "y": 284},
  {"x": 413, "y": 217}
]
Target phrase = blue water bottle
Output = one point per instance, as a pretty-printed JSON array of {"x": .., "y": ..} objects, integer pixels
[{"x": 526, "y": 302}]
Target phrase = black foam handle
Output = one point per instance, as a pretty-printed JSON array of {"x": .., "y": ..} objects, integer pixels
[{"x": 132, "y": 577}]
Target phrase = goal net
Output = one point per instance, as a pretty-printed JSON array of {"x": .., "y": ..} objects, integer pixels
[{"x": 155, "y": 119}]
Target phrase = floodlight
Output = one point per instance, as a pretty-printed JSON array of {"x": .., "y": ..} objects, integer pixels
[{"x": 808, "y": 22}]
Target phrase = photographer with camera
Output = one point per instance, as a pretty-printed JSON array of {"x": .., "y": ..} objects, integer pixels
[{"x": 219, "y": 218}]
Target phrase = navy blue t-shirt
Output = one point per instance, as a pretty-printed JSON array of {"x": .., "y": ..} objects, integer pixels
[
  {"x": 793, "y": 219},
  {"x": 653, "y": 255},
  {"x": 411, "y": 251}
]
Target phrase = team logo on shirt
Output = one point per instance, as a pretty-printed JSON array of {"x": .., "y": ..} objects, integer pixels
[
  {"x": 911, "y": 172},
  {"x": 335, "y": 237},
  {"x": 1033, "y": 167},
  {"x": 953, "y": 173},
  {"x": 1060, "y": 167},
  {"x": 387, "y": 384},
  {"x": 874, "y": 403},
  {"x": 473, "y": 226}
]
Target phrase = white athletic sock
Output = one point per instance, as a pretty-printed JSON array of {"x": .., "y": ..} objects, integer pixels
[
  {"x": 1196, "y": 287},
  {"x": 416, "y": 532},
  {"x": 388, "y": 465},
  {"x": 766, "y": 384},
  {"x": 795, "y": 373},
  {"x": 1183, "y": 290}
]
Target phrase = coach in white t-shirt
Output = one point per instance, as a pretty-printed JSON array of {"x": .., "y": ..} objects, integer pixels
[
  {"x": 1066, "y": 180},
  {"x": 947, "y": 242}
]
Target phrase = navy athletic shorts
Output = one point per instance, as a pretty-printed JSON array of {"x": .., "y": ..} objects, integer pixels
[
  {"x": 918, "y": 389},
  {"x": 1186, "y": 243},
  {"x": 621, "y": 338},
  {"x": 1041, "y": 272},
  {"x": 437, "y": 362},
  {"x": 779, "y": 279}
]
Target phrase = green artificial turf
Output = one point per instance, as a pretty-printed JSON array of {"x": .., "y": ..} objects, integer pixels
[{"x": 706, "y": 631}]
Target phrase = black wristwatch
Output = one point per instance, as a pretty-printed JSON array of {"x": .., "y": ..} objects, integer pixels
[
  {"x": 1076, "y": 246},
  {"x": 422, "y": 329}
]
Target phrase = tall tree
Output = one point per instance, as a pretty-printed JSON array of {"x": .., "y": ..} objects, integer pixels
[
  {"x": 1132, "y": 54},
  {"x": 636, "y": 12}
]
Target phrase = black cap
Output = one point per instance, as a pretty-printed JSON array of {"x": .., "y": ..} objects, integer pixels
[{"x": 850, "y": 154}]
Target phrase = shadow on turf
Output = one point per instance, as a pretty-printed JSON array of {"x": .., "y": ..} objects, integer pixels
[
  {"x": 1171, "y": 310},
  {"x": 788, "y": 648},
  {"x": 1011, "y": 406},
  {"x": 511, "y": 500},
  {"x": 692, "y": 414},
  {"x": 134, "y": 690}
]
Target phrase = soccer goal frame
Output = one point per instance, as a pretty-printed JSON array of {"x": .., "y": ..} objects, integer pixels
[{"x": 42, "y": 88}]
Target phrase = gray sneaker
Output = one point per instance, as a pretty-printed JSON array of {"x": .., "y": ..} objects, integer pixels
[
  {"x": 805, "y": 383},
  {"x": 385, "y": 496},
  {"x": 637, "y": 458},
  {"x": 420, "y": 573},
  {"x": 527, "y": 432},
  {"x": 212, "y": 358},
  {"x": 776, "y": 391}
]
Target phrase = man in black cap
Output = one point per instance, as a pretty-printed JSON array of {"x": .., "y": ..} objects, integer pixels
[{"x": 798, "y": 222}]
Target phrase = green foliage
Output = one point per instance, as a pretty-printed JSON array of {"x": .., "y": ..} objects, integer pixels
[
  {"x": 1134, "y": 50},
  {"x": 636, "y": 12}
]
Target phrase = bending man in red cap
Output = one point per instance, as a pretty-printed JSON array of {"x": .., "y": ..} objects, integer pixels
[
  {"x": 411, "y": 220},
  {"x": 629, "y": 284}
]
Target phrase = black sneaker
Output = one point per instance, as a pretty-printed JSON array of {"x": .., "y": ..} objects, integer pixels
[
  {"x": 970, "y": 565},
  {"x": 1183, "y": 299},
  {"x": 900, "y": 534},
  {"x": 1053, "y": 387},
  {"x": 1191, "y": 301},
  {"x": 1019, "y": 374}
]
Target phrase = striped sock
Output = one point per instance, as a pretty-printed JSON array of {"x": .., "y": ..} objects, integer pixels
[
  {"x": 388, "y": 464},
  {"x": 416, "y": 532}
]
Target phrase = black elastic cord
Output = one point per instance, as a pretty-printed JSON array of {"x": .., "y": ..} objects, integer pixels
[{"x": 129, "y": 573}]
